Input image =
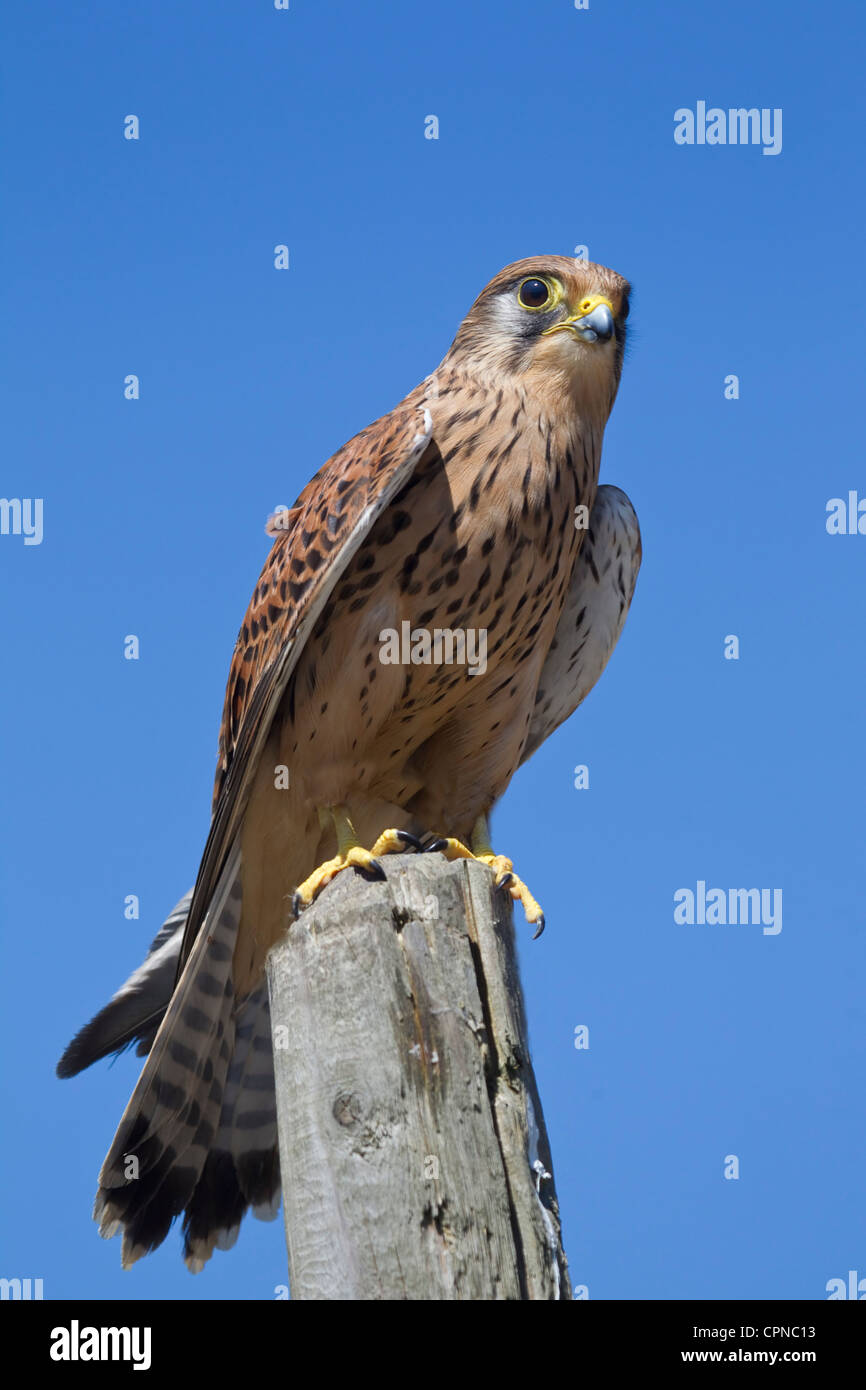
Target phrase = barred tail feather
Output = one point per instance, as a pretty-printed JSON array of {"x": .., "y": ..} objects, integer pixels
[
  {"x": 162, "y": 1144},
  {"x": 242, "y": 1169}
]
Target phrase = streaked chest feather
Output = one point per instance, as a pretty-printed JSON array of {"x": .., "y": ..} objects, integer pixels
[{"x": 484, "y": 535}]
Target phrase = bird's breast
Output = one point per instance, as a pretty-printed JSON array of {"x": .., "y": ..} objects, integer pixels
[{"x": 483, "y": 539}]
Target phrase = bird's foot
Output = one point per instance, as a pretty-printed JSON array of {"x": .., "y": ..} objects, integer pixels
[
  {"x": 503, "y": 869},
  {"x": 350, "y": 855}
]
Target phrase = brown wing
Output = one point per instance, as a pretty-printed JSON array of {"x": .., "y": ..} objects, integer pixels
[{"x": 323, "y": 531}]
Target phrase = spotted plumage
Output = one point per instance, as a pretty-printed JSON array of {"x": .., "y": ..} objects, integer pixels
[{"x": 457, "y": 511}]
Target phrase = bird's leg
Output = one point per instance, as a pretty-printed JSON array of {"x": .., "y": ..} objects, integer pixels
[
  {"x": 502, "y": 867},
  {"x": 350, "y": 854}
]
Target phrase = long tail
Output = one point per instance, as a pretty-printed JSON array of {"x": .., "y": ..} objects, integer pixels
[{"x": 198, "y": 1136}]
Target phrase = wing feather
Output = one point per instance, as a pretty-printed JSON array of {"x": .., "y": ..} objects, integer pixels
[{"x": 328, "y": 523}]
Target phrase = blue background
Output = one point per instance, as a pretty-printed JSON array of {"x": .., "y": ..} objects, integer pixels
[{"x": 155, "y": 257}]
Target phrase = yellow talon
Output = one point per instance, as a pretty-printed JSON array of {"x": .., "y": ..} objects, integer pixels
[
  {"x": 350, "y": 855},
  {"x": 393, "y": 841},
  {"x": 502, "y": 867}
]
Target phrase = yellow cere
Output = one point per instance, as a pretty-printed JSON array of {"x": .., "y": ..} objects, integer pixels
[{"x": 585, "y": 307}]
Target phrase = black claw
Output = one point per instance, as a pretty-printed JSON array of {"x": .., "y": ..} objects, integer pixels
[
  {"x": 435, "y": 845},
  {"x": 297, "y": 905},
  {"x": 372, "y": 871},
  {"x": 504, "y": 879},
  {"x": 407, "y": 839},
  {"x": 539, "y": 929}
]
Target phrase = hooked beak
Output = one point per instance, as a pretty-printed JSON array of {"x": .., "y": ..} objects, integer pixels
[
  {"x": 593, "y": 322},
  {"x": 596, "y": 326}
]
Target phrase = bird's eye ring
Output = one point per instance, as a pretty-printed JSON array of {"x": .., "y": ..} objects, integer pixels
[{"x": 534, "y": 293}]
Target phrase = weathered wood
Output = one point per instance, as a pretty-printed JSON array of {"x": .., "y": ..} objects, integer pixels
[{"x": 409, "y": 1118}]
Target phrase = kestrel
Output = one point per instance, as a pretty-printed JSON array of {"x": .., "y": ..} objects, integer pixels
[{"x": 473, "y": 508}]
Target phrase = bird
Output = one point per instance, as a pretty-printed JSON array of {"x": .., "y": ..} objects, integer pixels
[{"x": 474, "y": 506}]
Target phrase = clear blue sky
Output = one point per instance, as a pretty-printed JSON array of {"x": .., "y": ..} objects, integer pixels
[{"x": 155, "y": 257}]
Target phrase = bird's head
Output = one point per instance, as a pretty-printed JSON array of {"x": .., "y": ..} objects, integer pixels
[{"x": 557, "y": 323}]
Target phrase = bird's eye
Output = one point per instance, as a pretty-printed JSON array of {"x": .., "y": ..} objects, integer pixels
[{"x": 534, "y": 294}]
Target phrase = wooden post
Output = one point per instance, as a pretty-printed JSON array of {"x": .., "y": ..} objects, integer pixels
[{"x": 413, "y": 1150}]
